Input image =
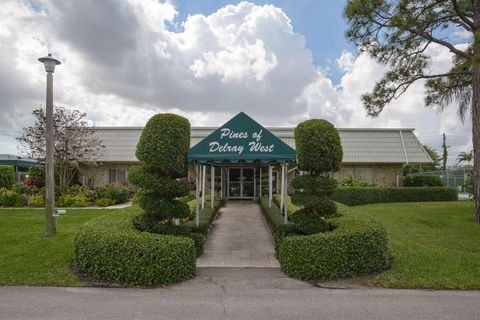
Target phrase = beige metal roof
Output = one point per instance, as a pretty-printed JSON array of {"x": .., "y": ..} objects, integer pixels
[{"x": 359, "y": 145}]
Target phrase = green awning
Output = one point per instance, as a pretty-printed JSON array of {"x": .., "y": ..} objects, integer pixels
[{"x": 239, "y": 140}]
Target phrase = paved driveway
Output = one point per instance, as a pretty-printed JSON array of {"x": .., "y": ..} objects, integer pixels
[
  {"x": 239, "y": 238},
  {"x": 236, "y": 293}
]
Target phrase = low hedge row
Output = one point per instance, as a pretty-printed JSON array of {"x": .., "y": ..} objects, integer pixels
[
  {"x": 207, "y": 216},
  {"x": 111, "y": 249},
  {"x": 353, "y": 196},
  {"x": 358, "y": 244}
]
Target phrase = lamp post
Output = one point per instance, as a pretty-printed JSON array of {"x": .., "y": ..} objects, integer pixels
[{"x": 49, "y": 63}]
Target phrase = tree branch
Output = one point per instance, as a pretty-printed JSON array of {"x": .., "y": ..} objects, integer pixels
[
  {"x": 463, "y": 17},
  {"x": 444, "y": 43}
]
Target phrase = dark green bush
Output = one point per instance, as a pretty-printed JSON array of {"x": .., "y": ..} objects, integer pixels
[
  {"x": 164, "y": 144},
  {"x": 306, "y": 223},
  {"x": 199, "y": 240},
  {"x": 353, "y": 196},
  {"x": 112, "y": 191},
  {"x": 422, "y": 181},
  {"x": 358, "y": 244},
  {"x": 318, "y": 185},
  {"x": 163, "y": 148},
  {"x": 149, "y": 178},
  {"x": 318, "y": 206},
  {"x": 7, "y": 177},
  {"x": 318, "y": 147},
  {"x": 111, "y": 249}
]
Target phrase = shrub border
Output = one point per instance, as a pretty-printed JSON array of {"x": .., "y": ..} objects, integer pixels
[
  {"x": 110, "y": 249},
  {"x": 357, "y": 245}
]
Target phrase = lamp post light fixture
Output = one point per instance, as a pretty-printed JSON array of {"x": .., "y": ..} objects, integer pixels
[{"x": 49, "y": 63}]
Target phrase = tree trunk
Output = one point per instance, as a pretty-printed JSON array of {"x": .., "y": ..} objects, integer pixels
[{"x": 476, "y": 113}]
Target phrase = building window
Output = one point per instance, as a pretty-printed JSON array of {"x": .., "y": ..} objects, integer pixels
[
  {"x": 118, "y": 176},
  {"x": 363, "y": 174}
]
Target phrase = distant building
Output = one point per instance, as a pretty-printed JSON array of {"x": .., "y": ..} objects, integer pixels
[
  {"x": 375, "y": 155},
  {"x": 20, "y": 164}
]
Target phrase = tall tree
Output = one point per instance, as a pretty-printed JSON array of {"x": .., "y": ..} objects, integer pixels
[
  {"x": 398, "y": 33},
  {"x": 75, "y": 142}
]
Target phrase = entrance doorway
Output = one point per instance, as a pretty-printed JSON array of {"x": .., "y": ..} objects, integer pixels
[{"x": 241, "y": 183}]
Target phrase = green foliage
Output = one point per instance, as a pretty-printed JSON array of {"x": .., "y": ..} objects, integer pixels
[
  {"x": 7, "y": 177},
  {"x": 318, "y": 147},
  {"x": 291, "y": 207},
  {"x": 353, "y": 196},
  {"x": 399, "y": 34},
  {"x": 318, "y": 185},
  {"x": 358, "y": 244},
  {"x": 164, "y": 144},
  {"x": 163, "y": 148},
  {"x": 149, "y": 178},
  {"x": 317, "y": 206},
  {"x": 36, "y": 201},
  {"x": 422, "y": 181},
  {"x": 78, "y": 190},
  {"x": 207, "y": 216},
  {"x": 72, "y": 201},
  {"x": 306, "y": 223},
  {"x": 350, "y": 181},
  {"x": 112, "y": 191},
  {"x": 111, "y": 249},
  {"x": 9, "y": 198},
  {"x": 273, "y": 214},
  {"x": 104, "y": 202}
]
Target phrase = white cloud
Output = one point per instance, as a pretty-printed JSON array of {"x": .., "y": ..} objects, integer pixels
[{"x": 122, "y": 64}]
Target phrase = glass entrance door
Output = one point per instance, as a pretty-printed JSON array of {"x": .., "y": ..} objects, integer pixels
[{"x": 240, "y": 183}]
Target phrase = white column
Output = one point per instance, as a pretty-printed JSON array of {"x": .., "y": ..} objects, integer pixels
[
  {"x": 212, "y": 179},
  {"x": 270, "y": 186},
  {"x": 285, "y": 218},
  {"x": 197, "y": 194},
  {"x": 260, "y": 186},
  {"x": 221, "y": 183},
  {"x": 204, "y": 175},
  {"x": 282, "y": 187}
]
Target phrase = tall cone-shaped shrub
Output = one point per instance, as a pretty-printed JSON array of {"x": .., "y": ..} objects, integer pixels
[
  {"x": 319, "y": 153},
  {"x": 163, "y": 149}
]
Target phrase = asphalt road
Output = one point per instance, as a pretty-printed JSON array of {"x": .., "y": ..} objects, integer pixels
[{"x": 236, "y": 294}]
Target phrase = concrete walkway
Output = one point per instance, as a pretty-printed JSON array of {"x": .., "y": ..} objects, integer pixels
[{"x": 239, "y": 238}]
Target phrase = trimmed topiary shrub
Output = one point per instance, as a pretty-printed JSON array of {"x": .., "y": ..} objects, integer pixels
[
  {"x": 319, "y": 152},
  {"x": 318, "y": 147},
  {"x": 358, "y": 244},
  {"x": 112, "y": 250},
  {"x": 353, "y": 196},
  {"x": 163, "y": 148},
  {"x": 422, "y": 181},
  {"x": 7, "y": 176}
]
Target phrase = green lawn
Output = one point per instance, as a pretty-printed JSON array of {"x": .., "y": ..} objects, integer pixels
[
  {"x": 434, "y": 244},
  {"x": 27, "y": 257}
]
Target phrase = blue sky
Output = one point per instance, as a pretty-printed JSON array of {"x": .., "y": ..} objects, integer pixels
[{"x": 321, "y": 22}]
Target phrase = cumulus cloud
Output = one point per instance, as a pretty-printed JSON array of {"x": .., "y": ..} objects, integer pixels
[{"x": 124, "y": 61}]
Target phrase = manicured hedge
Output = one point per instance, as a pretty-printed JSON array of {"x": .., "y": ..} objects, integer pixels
[
  {"x": 111, "y": 249},
  {"x": 353, "y": 196},
  {"x": 357, "y": 245},
  {"x": 207, "y": 216}
]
